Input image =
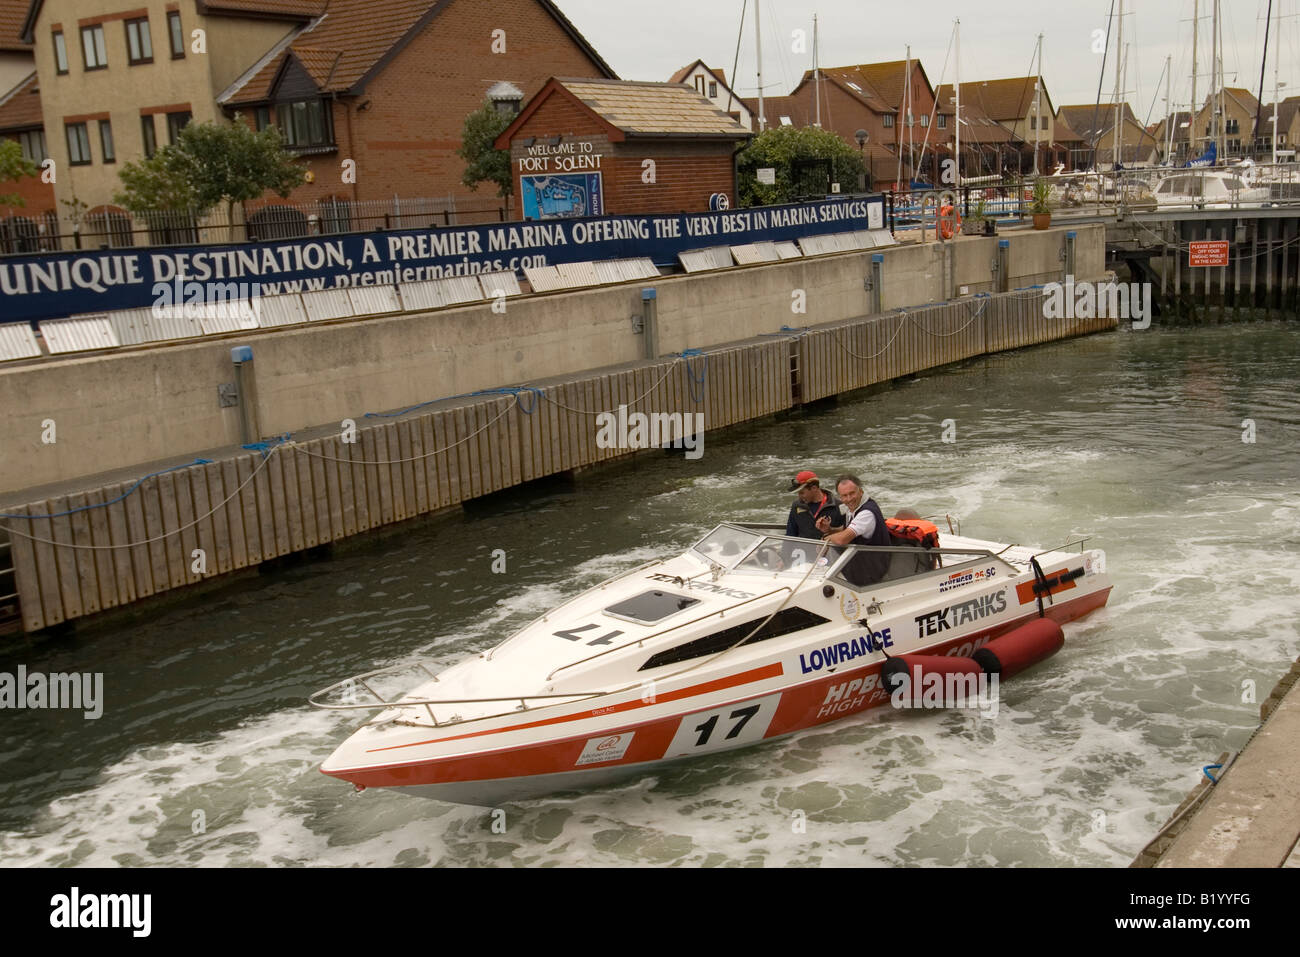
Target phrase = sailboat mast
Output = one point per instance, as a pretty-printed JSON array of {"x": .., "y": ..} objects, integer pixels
[
  {"x": 1215, "y": 121},
  {"x": 1223, "y": 93},
  {"x": 1038, "y": 104},
  {"x": 957, "y": 119},
  {"x": 1170, "y": 112},
  {"x": 817, "y": 86},
  {"x": 1119, "y": 78},
  {"x": 1196, "y": 36},
  {"x": 907, "y": 116},
  {"x": 1277, "y": 94},
  {"x": 1263, "y": 67},
  {"x": 758, "y": 45}
]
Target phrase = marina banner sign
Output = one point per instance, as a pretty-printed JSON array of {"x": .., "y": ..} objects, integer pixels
[{"x": 56, "y": 285}]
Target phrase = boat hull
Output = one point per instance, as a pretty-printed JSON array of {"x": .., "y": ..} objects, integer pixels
[{"x": 609, "y": 745}]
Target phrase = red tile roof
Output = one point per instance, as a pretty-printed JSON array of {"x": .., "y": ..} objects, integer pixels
[
  {"x": 1008, "y": 100},
  {"x": 13, "y": 13},
  {"x": 1091, "y": 120},
  {"x": 21, "y": 108},
  {"x": 880, "y": 85},
  {"x": 290, "y": 9},
  {"x": 350, "y": 41}
]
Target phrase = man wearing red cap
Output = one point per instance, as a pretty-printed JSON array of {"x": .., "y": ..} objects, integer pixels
[{"x": 812, "y": 504}]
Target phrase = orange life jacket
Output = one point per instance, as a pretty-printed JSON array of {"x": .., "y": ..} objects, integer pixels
[{"x": 914, "y": 531}]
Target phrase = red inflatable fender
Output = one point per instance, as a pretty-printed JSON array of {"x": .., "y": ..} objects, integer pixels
[
  {"x": 1021, "y": 648},
  {"x": 917, "y": 667},
  {"x": 1012, "y": 653}
]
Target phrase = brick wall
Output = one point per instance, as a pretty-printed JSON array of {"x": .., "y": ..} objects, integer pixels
[
  {"x": 405, "y": 142},
  {"x": 686, "y": 173},
  {"x": 38, "y": 197}
]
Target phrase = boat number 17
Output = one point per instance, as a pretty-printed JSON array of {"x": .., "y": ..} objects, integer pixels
[{"x": 725, "y": 727}]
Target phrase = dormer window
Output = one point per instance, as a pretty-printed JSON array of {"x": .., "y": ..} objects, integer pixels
[{"x": 506, "y": 98}]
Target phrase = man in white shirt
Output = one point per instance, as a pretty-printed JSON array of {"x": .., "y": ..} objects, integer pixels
[{"x": 866, "y": 526}]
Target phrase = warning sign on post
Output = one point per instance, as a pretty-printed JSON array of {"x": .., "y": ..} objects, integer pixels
[{"x": 1209, "y": 253}]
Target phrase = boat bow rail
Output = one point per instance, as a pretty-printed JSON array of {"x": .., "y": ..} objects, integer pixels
[{"x": 348, "y": 687}]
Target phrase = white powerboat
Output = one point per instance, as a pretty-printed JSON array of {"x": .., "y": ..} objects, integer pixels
[
  {"x": 1207, "y": 187},
  {"x": 745, "y": 637}
]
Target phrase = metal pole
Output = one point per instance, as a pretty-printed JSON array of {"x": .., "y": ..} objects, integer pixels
[
  {"x": 957, "y": 88},
  {"x": 1169, "y": 110},
  {"x": 1119, "y": 78},
  {"x": 1277, "y": 52},
  {"x": 817, "y": 87},
  {"x": 650, "y": 321},
  {"x": 758, "y": 33},
  {"x": 1038, "y": 104},
  {"x": 1196, "y": 31},
  {"x": 1263, "y": 65}
]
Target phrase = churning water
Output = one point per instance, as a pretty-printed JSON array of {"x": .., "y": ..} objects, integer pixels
[{"x": 207, "y": 752}]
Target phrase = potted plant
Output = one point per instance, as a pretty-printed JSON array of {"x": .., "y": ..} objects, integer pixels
[
  {"x": 979, "y": 222},
  {"x": 1040, "y": 204}
]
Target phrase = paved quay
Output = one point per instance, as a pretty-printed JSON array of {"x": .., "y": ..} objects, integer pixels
[{"x": 1251, "y": 818}]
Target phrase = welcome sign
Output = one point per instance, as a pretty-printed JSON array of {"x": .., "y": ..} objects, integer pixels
[{"x": 55, "y": 285}]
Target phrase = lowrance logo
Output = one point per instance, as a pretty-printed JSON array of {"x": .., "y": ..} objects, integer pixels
[
  {"x": 954, "y": 616},
  {"x": 834, "y": 655}
]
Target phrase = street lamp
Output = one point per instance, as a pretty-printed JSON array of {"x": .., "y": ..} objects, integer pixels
[{"x": 862, "y": 136}]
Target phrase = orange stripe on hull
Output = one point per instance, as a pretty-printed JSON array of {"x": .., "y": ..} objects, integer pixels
[{"x": 731, "y": 681}]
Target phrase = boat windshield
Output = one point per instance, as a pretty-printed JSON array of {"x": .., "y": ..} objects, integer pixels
[
  {"x": 777, "y": 554},
  {"x": 726, "y": 545}
]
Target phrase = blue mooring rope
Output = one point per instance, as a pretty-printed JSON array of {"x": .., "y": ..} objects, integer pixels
[
  {"x": 86, "y": 508},
  {"x": 694, "y": 383}
]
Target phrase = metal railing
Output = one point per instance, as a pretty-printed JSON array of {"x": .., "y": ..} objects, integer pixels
[
  {"x": 1102, "y": 192},
  {"x": 114, "y": 228}
]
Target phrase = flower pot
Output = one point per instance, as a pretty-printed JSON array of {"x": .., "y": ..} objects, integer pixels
[
  {"x": 1042, "y": 220},
  {"x": 990, "y": 227}
]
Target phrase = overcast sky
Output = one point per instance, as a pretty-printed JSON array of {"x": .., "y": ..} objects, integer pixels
[{"x": 650, "y": 40}]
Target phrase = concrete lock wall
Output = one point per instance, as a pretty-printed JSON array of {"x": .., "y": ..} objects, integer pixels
[{"x": 149, "y": 404}]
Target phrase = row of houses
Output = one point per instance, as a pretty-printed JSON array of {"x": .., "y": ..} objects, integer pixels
[{"x": 374, "y": 105}]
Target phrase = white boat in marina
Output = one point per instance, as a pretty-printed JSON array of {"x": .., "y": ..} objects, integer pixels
[
  {"x": 1195, "y": 188},
  {"x": 745, "y": 637}
]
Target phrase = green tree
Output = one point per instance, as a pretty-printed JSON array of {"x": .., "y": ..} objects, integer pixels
[
  {"x": 210, "y": 164},
  {"x": 781, "y": 148},
  {"x": 13, "y": 166},
  {"x": 483, "y": 162}
]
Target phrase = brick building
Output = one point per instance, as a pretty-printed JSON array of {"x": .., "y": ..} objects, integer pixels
[
  {"x": 24, "y": 224},
  {"x": 591, "y": 147},
  {"x": 873, "y": 97},
  {"x": 1004, "y": 122},
  {"x": 372, "y": 97},
  {"x": 1095, "y": 125}
]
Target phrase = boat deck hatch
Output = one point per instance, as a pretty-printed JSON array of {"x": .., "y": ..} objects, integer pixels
[{"x": 650, "y": 606}]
